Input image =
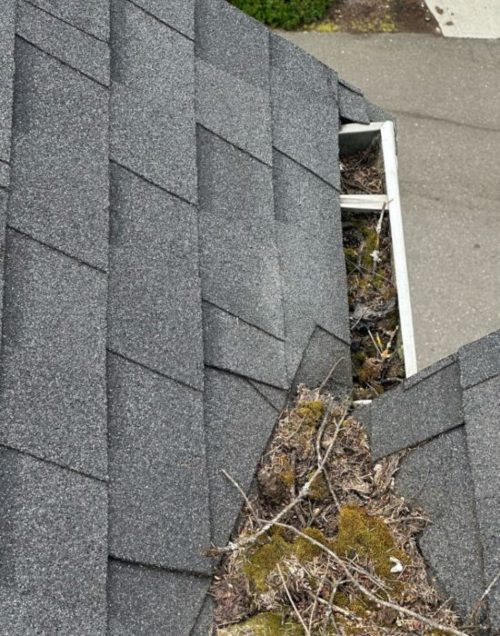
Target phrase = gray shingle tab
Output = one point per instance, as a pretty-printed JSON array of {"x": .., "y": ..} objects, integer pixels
[
  {"x": 352, "y": 105},
  {"x": 305, "y": 113},
  {"x": 158, "y": 482},
  {"x": 205, "y": 621},
  {"x": 3, "y": 220},
  {"x": 437, "y": 477},
  {"x": 59, "y": 177},
  {"x": 375, "y": 113},
  {"x": 91, "y": 16},
  {"x": 152, "y": 104},
  {"x": 482, "y": 427},
  {"x": 179, "y": 15},
  {"x": 234, "y": 345},
  {"x": 234, "y": 109},
  {"x": 230, "y": 40},
  {"x": 74, "y": 47},
  {"x": 54, "y": 549},
  {"x": 4, "y": 174},
  {"x": 309, "y": 237},
  {"x": 150, "y": 601},
  {"x": 277, "y": 397},
  {"x": 322, "y": 352},
  {"x": 238, "y": 423},
  {"x": 480, "y": 360},
  {"x": 239, "y": 262},
  {"x": 154, "y": 295},
  {"x": 53, "y": 389},
  {"x": 7, "y": 31},
  {"x": 407, "y": 416}
]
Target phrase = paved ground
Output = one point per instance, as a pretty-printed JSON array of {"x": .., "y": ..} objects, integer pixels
[
  {"x": 445, "y": 94},
  {"x": 467, "y": 18}
]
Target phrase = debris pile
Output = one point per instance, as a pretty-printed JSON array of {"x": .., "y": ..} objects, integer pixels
[
  {"x": 324, "y": 545},
  {"x": 362, "y": 172},
  {"x": 376, "y": 345}
]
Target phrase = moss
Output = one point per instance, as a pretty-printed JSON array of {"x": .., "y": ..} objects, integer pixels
[
  {"x": 264, "y": 559},
  {"x": 319, "y": 488},
  {"x": 284, "y": 470},
  {"x": 378, "y": 25},
  {"x": 305, "y": 550},
  {"x": 310, "y": 411},
  {"x": 264, "y": 624},
  {"x": 368, "y": 537},
  {"x": 326, "y": 27},
  {"x": 371, "y": 240}
]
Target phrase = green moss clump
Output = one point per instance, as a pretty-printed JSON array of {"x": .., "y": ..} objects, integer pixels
[
  {"x": 284, "y": 14},
  {"x": 310, "y": 411},
  {"x": 319, "y": 488},
  {"x": 265, "y": 624},
  {"x": 368, "y": 537},
  {"x": 371, "y": 243},
  {"x": 306, "y": 551},
  {"x": 264, "y": 559}
]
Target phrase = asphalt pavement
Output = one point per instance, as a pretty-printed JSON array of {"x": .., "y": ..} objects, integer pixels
[{"x": 445, "y": 94}]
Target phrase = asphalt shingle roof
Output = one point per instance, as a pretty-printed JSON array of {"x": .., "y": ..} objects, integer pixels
[
  {"x": 449, "y": 417},
  {"x": 172, "y": 268}
]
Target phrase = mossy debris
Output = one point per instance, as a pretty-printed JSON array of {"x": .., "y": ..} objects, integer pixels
[{"x": 357, "y": 517}]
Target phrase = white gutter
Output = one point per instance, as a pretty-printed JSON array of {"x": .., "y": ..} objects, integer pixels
[{"x": 391, "y": 200}]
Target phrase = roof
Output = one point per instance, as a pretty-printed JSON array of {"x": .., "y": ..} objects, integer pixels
[
  {"x": 448, "y": 416},
  {"x": 172, "y": 267}
]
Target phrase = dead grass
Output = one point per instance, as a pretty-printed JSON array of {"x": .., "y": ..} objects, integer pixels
[{"x": 344, "y": 532}]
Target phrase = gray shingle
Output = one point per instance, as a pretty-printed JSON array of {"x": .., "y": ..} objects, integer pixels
[
  {"x": 205, "y": 622},
  {"x": 234, "y": 345},
  {"x": 59, "y": 177},
  {"x": 53, "y": 389},
  {"x": 309, "y": 237},
  {"x": 91, "y": 16},
  {"x": 238, "y": 423},
  {"x": 231, "y": 41},
  {"x": 154, "y": 295},
  {"x": 179, "y": 15},
  {"x": 277, "y": 397},
  {"x": 3, "y": 220},
  {"x": 7, "y": 30},
  {"x": 158, "y": 483},
  {"x": 480, "y": 360},
  {"x": 76, "y": 48},
  {"x": 235, "y": 110},
  {"x": 322, "y": 352},
  {"x": 405, "y": 417},
  {"x": 239, "y": 262},
  {"x": 375, "y": 113},
  {"x": 54, "y": 549},
  {"x": 4, "y": 174},
  {"x": 429, "y": 371},
  {"x": 437, "y": 477},
  {"x": 147, "y": 602},
  {"x": 152, "y": 104},
  {"x": 305, "y": 112},
  {"x": 482, "y": 427},
  {"x": 352, "y": 105}
]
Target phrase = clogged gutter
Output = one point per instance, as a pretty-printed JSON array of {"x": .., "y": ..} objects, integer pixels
[{"x": 377, "y": 355}]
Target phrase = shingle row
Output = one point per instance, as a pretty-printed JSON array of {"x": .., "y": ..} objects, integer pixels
[{"x": 53, "y": 429}]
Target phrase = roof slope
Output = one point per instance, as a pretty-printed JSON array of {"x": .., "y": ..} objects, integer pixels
[
  {"x": 449, "y": 415},
  {"x": 171, "y": 264}
]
